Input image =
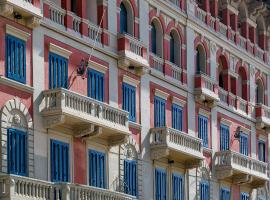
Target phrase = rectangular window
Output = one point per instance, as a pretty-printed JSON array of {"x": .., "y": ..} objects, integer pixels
[
  {"x": 160, "y": 184},
  {"x": 58, "y": 71},
  {"x": 224, "y": 137},
  {"x": 244, "y": 196},
  {"x": 97, "y": 169},
  {"x": 244, "y": 143},
  {"x": 177, "y": 187},
  {"x": 15, "y": 59},
  {"x": 177, "y": 117},
  {"x": 59, "y": 161},
  {"x": 204, "y": 191},
  {"x": 159, "y": 112},
  {"x": 225, "y": 194},
  {"x": 129, "y": 100},
  {"x": 96, "y": 85},
  {"x": 130, "y": 177},
  {"x": 203, "y": 129},
  {"x": 261, "y": 151},
  {"x": 17, "y": 152}
]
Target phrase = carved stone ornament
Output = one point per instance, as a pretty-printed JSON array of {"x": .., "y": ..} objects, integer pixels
[
  {"x": 33, "y": 22},
  {"x": 6, "y": 10},
  {"x": 213, "y": 47},
  {"x": 16, "y": 119}
]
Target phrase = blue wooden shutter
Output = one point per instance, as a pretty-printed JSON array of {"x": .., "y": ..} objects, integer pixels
[
  {"x": 177, "y": 117},
  {"x": 96, "y": 85},
  {"x": 244, "y": 196},
  {"x": 97, "y": 169},
  {"x": 130, "y": 177},
  {"x": 225, "y": 194},
  {"x": 129, "y": 100},
  {"x": 154, "y": 38},
  {"x": 172, "y": 59},
  {"x": 178, "y": 187},
  {"x": 15, "y": 59},
  {"x": 224, "y": 137},
  {"x": 204, "y": 190},
  {"x": 203, "y": 129},
  {"x": 58, "y": 71},
  {"x": 160, "y": 184},
  {"x": 243, "y": 144},
  {"x": 261, "y": 151},
  {"x": 159, "y": 112},
  {"x": 123, "y": 19}
]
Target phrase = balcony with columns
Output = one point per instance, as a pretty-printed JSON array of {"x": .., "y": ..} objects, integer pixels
[
  {"x": 176, "y": 146},
  {"x": 84, "y": 117},
  {"x": 240, "y": 169},
  {"x": 23, "y": 188},
  {"x": 262, "y": 115},
  {"x": 27, "y": 11}
]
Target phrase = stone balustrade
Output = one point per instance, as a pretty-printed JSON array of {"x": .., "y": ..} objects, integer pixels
[
  {"x": 176, "y": 71},
  {"x": 223, "y": 29},
  {"x": 157, "y": 63},
  {"x": 262, "y": 115},
  {"x": 200, "y": 14},
  {"x": 56, "y": 13},
  {"x": 76, "y": 22}
]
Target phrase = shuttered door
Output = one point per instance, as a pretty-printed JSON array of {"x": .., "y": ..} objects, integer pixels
[
  {"x": 204, "y": 190},
  {"x": 129, "y": 100},
  {"x": 130, "y": 177},
  {"x": 243, "y": 144},
  {"x": 224, "y": 137},
  {"x": 97, "y": 169},
  {"x": 96, "y": 85},
  {"x": 159, "y": 112},
  {"x": 59, "y": 161},
  {"x": 203, "y": 129},
  {"x": 177, "y": 117},
  {"x": 17, "y": 152},
  {"x": 225, "y": 194},
  {"x": 160, "y": 184},
  {"x": 178, "y": 187}
]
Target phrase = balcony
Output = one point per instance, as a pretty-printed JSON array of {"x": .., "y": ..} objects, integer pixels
[
  {"x": 262, "y": 114},
  {"x": 132, "y": 54},
  {"x": 84, "y": 117},
  {"x": 240, "y": 169},
  {"x": 29, "y": 13},
  {"x": 24, "y": 188},
  {"x": 176, "y": 146},
  {"x": 206, "y": 90}
]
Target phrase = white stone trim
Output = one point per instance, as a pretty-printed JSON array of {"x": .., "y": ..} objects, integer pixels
[
  {"x": 204, "y": 113},
  {"x": 11, "y": 30},
  {"x": 178, "y": 101},
  {"x": 226, "y": 122},
  {"x": 131, "y": 81},
  {"x": 161, "y": 94},
  {"x": 244, "y": 130},
  {"x": 59, "y": 50},
  {"x": 98, "y": 67},
  {"x": 263, "y": 138},
  {"x": 16, "y": 84}
]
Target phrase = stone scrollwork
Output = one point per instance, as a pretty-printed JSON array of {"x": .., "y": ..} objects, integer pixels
[{"x": 6, "y": 10}]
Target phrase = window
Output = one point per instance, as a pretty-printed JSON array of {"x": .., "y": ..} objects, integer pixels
[
  {"x": 244, "y": 196},
  {"x": 96, "y": 85},
  {"x": 97, "y": 169},
  {"x": 130, "y": 177},
  {"x": 261, "y": 151},
  {"x": 15, "y": 59},
  {"x": 177, "y": 117},
  {"x": 243, "y": 143},
  {"x": 224, "y": 137},
  {"x": 17, "y": 152},
  {"x": 160, "y": 184},
  {"x": 177, "y": 187},
  {"x": 123, "y": 19},
  {"x": 129, "y": 100},
  {"x": 200, "y": 60},
  {"x": 204, "y": 190},
  {"x": 59, "y": 161},
  {"x": 172, "y": 59},
  {"x": 159, "y": 112},
  {"x": 153, "y": 38},
  {"x": 73, "y": 6},
  {"x": 203, "y": 129},
  {"x": 58, "y": 71},
  {"x": 225, "y": 194}
]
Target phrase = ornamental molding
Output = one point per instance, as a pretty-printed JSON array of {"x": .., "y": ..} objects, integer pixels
[
  {"x": 130, "y": 81},
  {"x": 213, "y": 47},
  {"x": 59, "y": 50},
  {"x": 6, "y": 10},
  {"x": 18, "y": 33},
  {"x": 161, "y": 94},
  {"x": 178, "y": 101},
  {"x": 98, "y": 67}
]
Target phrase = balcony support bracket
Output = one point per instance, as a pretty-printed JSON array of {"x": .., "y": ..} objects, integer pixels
[
  {"x": 242, "y": 179},
  {"x": 52, "y": 121},
  {"x": 6, "y": 10}
]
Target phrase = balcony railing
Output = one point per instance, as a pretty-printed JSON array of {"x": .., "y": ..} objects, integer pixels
[
  {"x": 232, "y": 100},
  {"x": 262, "y": 114},
  {"x": 232, "y": 36},
  {"x": 24, "y": 188},
  {"x": 223, "y": 95},
  {"x": 57, "y": 14},
  {"x": 212, "y": 22},
  {"x": 94, "y": 32},
  {"x": 242, "y": 42},
  {"x": 176, "y": 144},
  {"x": 200, "y": 14},
  {"x": 176, "y": 71},
  {"x": 175, "y": 2},
  {"x": 259, "y": 53},
  {"x": 157, "y": 63},
  {"x": 241, "y": 104},
  {"x": 223, "y": 29},
  {"x": 76, "y": 22}
]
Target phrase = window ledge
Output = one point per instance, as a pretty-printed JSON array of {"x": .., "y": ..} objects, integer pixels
[
  {"x": 16, "y": 85},
  {"x": 135, "y": 125}
]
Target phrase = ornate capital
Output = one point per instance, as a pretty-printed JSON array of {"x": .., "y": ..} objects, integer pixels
[
  {"x": 33, "y": 22},
  {"x": 6, "y": 10}
]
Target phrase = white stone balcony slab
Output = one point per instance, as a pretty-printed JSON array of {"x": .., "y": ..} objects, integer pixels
[
  {"x": 23, "y": 188},
  {"x": 240, "y": 169},
  {"x": 262, "y": 114},
  {"x": 30, "y": 13},
  {"x": 132, "y": 54},
  {"x": 176, "y": 146},
  {"x": 83, "y": 116}
]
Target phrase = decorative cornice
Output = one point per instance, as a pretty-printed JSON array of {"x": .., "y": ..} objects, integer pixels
[
  {"x": 59, "y": 50},
  {"x": 131, "y": 81},
  {"x": 16, "y": 85},
  {"x": 11, "y": 30},
  {"x": 98, "y": 67},
  {"x": 178, "y": 101},
  {"x": 161, "y": 94}
]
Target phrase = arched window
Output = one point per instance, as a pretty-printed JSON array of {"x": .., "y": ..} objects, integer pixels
[
  {"x": 242, "y": 88},
  {"x": 175, "y": 48},
  {"x": 259, "y": 92},
  {"x": 172, "y": 48},
  {"x": 200, "y": 60},
  {"x": 123, "y": 19},
  {"x": 74, "y": 6},
  {"x": 153, "y": 38}
]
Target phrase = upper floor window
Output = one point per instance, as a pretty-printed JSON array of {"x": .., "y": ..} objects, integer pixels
[
  {"x": 261, "y": 151},
  {"x": 159, "y": 112},
  {"x": 177, "y": 117},
  {"x": 153, "y": 38},
  {"x": 244, "y": 196},
  {"x": 17, "y": 152},
  {"x": 58, "y": 71},
  {"x": 178, "y": 187},
  {"x": 203, "y": 129},
  {"x": 96, "y": 85},
  {"x": 123, "y": 19},
  {"x": 59, "y": 161},
  {"x": 156, "y": 38},
  {"x": 130, "y": 177},
  {"x": 224, "y": 137},
  {"x": 242, "y": 84},
  {"x": 172, "y": 48},
  {"x": 160, "y": 184},
  {"x": 259, "y": 92},
  {"x": 204, "y": 190},
  {"x": 175, "y": 48},
  {"x": 15, "y": 59},
  {"x": 244, "y": 143},
  {"x": 225, "y": 194},
  {"x": 97, "y": 167},
  {"x": 129, "y": 100},
  {"x": 126, "y": 18},
  {"x": 74, "y": 7},
  {"x": 200, "y": 60}
]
